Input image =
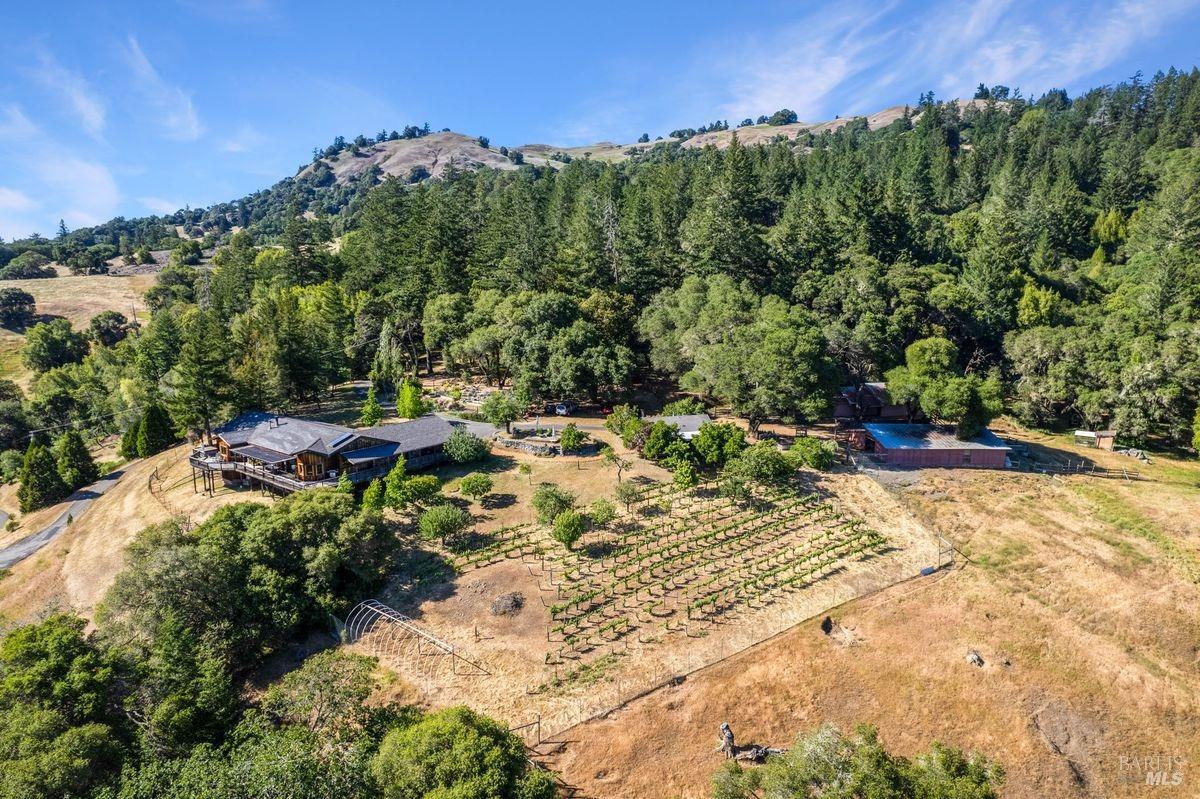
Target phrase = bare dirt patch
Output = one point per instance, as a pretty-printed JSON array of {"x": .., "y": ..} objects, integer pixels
[
  {"x": 637, "y": 639},
  {"x": 1087, "y": 632}
]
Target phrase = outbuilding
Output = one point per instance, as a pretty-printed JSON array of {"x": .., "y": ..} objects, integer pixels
[
  {"x": 933, "y": 445},
  {"x": 1100, "y": 439},
  {"x": 688, "y": 424}
]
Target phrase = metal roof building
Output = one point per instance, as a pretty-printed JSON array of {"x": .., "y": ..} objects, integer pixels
[
  {"x": 933, "y": 445},
  {"x": 687, "y": 424}
]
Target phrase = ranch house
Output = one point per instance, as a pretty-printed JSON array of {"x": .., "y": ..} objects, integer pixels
[
  {"x": 869, "y": 402},
  {"x": 688, "y": 424},
  {"x": 286, "y": 454}
]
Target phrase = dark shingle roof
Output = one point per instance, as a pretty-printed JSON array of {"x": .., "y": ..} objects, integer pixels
[
  {"x": 426, "y": 431},
  {"x": 288, "y": 435}
]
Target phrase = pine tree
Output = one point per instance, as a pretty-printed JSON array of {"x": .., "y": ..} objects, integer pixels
[
  {"x": 373, "y": 497},
  {"x": 372, "y": 413},
  {"x": 201, "y": 383},
  {"x": 722, "y": 232},
  {"x": 41, "y": 484},
  {"x": 154, "y": 432},
  {"x": 127, "y": 449},
  {"x": 409, "y": 404},
  {"x": 75, "y": 464},
  {"x": 393, "y": 485}
]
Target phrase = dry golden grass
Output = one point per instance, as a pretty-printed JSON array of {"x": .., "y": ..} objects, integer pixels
[
  {"x": 76, "y": 298},
  {"x": 1077, "y": 592},
  {"x": 76, "y": 568}
]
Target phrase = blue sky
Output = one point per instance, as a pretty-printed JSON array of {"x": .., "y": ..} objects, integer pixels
[{"x": 131, "y": 108}]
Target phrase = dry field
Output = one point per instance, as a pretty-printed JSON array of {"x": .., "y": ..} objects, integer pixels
[
  {"x": 75, "y": 297},
  {"x": 675, "y": 590},
  {"x": 1080, "y": 594},
  {"x": 75, "y": 569}
]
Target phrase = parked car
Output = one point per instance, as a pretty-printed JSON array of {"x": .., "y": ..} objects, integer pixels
[{"x": 564, "y": 408}]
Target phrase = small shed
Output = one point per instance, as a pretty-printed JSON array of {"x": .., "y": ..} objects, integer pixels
[
  {"x": 688, "y": 425},
  {"x": 934, "y": 445},
  {"x": 1098, "y": 439}
]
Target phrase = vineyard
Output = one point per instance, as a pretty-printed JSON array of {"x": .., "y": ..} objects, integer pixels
[{"x": 676, "y": 563}]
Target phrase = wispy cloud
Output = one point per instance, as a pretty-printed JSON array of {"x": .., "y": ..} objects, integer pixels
[
  {"x": 247, "y": 138},
  {"x": 159, "y": 205},
  {"x": 866, "y": 57},
  {"x": 88, "y": 190},
  {"x": 15, "y": 200},
  {"x": 87, "y": 106},
  {"x": 65, "y": 183},
  {"x": 15, "y": 126},
  {"x": 800, "y": 66},
  {"x": 171, "y": 106}
]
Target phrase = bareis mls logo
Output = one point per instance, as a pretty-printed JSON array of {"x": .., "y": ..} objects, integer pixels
[{"x": 1156, "y": 769}]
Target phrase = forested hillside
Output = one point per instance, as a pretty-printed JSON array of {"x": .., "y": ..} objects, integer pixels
[{"x": 1053, "y": 243}]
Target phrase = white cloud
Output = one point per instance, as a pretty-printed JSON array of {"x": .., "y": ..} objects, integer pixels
[
  {"x": 15, "y": 200},
  {"x": 86, "y": 189},
  {"x": 87, "y": 106},
  {"x": 859, "y": 59},
  {"x": 170, "y": 105},
  {"x": 15, "y": 126},
  {"x": 160, "y": 206},
  {"x": 802, "y": 65},
  {"x": 247, "y": 138}
]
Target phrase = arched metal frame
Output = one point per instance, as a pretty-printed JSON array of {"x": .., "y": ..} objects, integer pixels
[{"x": 393, "y": 636}]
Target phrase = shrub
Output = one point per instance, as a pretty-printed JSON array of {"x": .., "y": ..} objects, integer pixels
[
  {"x": 685, "y": 406},
  {"x": 572, "y": 438},
  {"x": 419, "y": 489},
  {"x": 814, "y": 453},
  {"x": 464, "y": 446},
  {"x": 442, "y": 521},
  {"x": 457, "y": 753},
  {"x": 716, "y": 443},
  {"x": 627, "y": 494},
  {"x": 601, "y": 512},
  {"x": 568, "y": 527},
  {"x": 549, "y": 500},
  {"x": 475, "y": 485}
]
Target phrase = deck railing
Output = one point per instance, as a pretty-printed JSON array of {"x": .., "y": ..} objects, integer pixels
[{"x": 279, "y": 479}]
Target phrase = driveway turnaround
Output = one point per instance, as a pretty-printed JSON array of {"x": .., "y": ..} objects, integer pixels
[{"x": 80, "y": 501}]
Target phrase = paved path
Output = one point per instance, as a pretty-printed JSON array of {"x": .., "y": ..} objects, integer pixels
[{"x": 80, "y": 501}]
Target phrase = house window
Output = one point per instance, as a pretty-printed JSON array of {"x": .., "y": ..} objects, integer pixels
[{"x": 966, "y": 457}]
